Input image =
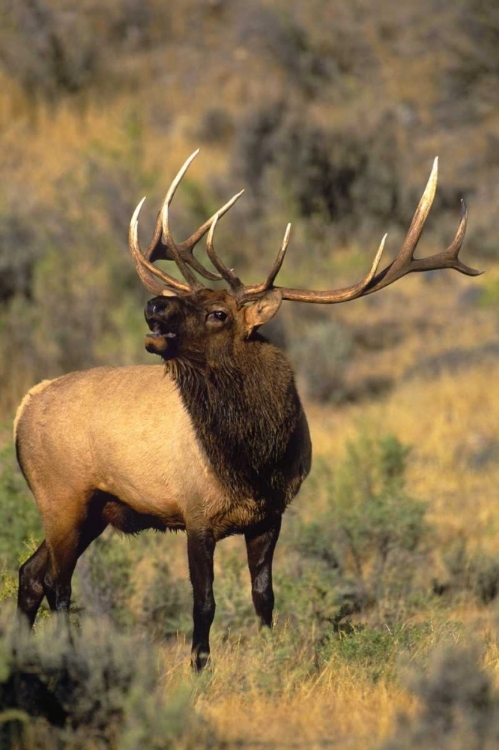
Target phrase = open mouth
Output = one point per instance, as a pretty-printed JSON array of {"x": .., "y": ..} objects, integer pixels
[
  {"x": 156, "y": 332},
  {"x": 159, "y": 341}
]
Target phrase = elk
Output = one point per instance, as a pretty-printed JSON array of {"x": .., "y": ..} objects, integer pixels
[{"x": 214, "y": 441}]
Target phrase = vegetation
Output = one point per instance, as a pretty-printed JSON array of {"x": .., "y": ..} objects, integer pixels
[{"x": 387, "y": 570}]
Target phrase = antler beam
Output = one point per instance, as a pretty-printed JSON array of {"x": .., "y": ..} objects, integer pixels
[{"x": 403, "y": 264}]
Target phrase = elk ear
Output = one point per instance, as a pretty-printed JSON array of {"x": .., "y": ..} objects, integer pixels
[{"x": 262, "y": 310}]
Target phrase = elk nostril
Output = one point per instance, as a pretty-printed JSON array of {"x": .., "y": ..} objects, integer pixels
[{"x": 156, "y": 306}]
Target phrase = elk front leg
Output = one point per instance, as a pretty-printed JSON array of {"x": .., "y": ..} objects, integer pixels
[
  {"x": 260, "y": 546},
  {"x": 200, "y": 550}
]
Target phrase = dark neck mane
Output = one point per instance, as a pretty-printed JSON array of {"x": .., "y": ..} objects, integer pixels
[{"x": 249, "y": 420}]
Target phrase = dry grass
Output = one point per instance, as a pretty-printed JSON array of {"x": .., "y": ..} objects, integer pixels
[{"x": 250, "y": 704}]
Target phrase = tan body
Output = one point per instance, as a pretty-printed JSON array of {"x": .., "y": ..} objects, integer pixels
[{"x": 123, "y": 431}]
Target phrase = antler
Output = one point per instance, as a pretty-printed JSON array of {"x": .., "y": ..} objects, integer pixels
[
  {"x": 162, "y": 245},
  {"x": 403, "y": 264},
  {"x": 239, "y": 290}
]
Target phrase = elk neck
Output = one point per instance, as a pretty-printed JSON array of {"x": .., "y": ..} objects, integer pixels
[{"x": 249, "y": 420}]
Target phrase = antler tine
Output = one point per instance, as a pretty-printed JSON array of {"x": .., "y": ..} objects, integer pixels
[
  {"x": 280, "y": 258},
  {"x": 159, "y": 247},
  {"x": 455, "y": 246},
  {"x": 188, "y": 244},
  {"x": 177, "y": 257},
  {"x": 157, "y": 250},
  {"x": 450, "y": 258},
  {"x": 418, "y": 220},
  {"x": 144, "y": 267},
  {"x": 403, "y": 264},
  {"x": 227, "y": 274},
  {"x": 165, "y": 223},
  {"x": 256, "y": 290}
]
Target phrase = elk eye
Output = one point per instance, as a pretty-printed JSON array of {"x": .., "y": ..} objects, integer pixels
[{"x": 217, "y": 315}]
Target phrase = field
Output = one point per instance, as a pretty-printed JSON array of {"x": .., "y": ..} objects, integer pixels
[{"x": 387, "y": 569}]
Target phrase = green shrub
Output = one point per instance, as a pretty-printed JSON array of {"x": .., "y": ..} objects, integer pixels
[
  {"x": 469, "y": 572},
  {"x": 20, "y": 247},
  {"x": 51, "y": 52},
  {"x": 20, "y": 517},
  {"x": 55, "y": 50},
  {"x": 375, "y": 651},
  {"x": 166, "y": 605},
  {"x": 321, "y": 354},
  {"x": 215, "y": 126},
  {"x": 334, "y": 175},
  {"x": 370, "y": 506},
  {"x": 99, "y": 688},
  {"x": 103, "y": 584},
  {"x": 459, "y": 709},
  {"x": 473, "y": 67},
  {"x": 67, "y": 324},
  {"x": 367, "y": 542}
]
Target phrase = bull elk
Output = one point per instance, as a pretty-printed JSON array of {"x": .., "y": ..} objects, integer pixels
[{"x": 214, "y": 442}]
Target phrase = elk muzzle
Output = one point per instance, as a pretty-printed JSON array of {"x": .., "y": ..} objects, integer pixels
[{"x": 163, "y": 317}]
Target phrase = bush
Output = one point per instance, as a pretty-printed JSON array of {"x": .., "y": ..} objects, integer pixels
[
  {"x": 320, "y": 355},
  {"x": 51, "y": 52},
  {"x": 375, "y": 651},
  {"x": 475, "y": 572},
  {"x": 369, "y": 538},
  {"x": 459, "y": 709},
  {"x": 473, "y": 67},
  {"x": 338, "y": 174},
  {"x": 96, "y": 689},
  {"x": 104, "y": 579},
  {"x": 166, "y": 604},
  {"x": 20, "y": 248},
  {"x": 21, "y": 520},
  {"x": 56, "y": 50},
  {"x": 286, "y": 42},
  {"x": 215, "y": 127},
  {"x": 82, "y": 290}
]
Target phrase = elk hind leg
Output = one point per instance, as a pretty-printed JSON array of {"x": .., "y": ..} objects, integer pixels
[
  {"x": 31, "y": 576},
  {"x": 64, "y": 554},
  {"x": 49, "y": 571}
]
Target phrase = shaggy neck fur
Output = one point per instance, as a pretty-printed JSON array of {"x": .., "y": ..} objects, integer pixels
[{"x": 247, "y": 419}]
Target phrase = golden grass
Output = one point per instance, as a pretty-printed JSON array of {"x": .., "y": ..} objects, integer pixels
[{"x": 250, "y": 698}]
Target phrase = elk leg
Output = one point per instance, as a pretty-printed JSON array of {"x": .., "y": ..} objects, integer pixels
[
  {"x": 57, "y": 579},
  {"x": 200, "y": 550},
  {"x": 31, "y": 575},
  {"x": 260, "y": 548},
  {"x": 63, "y": 558}
]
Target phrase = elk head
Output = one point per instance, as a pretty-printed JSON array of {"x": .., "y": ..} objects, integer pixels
[{"x": 189, "y": 321}]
